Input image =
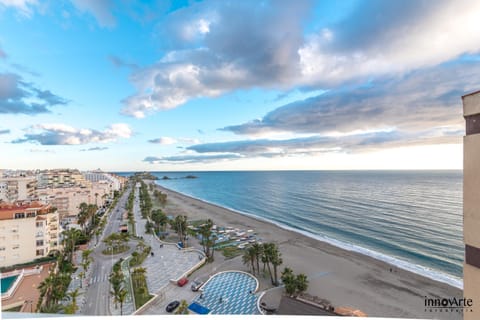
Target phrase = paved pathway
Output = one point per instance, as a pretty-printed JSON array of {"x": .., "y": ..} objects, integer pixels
[{"x": 168, "y": 262}]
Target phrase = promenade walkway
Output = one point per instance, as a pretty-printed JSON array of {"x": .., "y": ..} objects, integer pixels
[{"x": 166, "y": 263}]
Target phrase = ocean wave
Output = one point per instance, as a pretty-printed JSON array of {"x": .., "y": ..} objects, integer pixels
[{"x": 394, "y": 261}]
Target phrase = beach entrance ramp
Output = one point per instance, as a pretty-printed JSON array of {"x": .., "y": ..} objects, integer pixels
[{"x": 198, "y": 308}]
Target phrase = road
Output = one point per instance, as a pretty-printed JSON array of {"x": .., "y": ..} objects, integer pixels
[{"x": 97, "y": 295}]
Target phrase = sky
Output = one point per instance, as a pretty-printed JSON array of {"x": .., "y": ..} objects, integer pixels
[{"x": 236, "y": 85}]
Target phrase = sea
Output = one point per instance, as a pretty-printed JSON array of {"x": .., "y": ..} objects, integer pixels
[{"x": 411, "y": 219}]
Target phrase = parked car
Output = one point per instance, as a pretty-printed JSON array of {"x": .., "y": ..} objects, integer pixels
[
  {"x": 182, "y": 282},
  {"x": 172, "y": 306},
  {"x": 196, "y": 285}
]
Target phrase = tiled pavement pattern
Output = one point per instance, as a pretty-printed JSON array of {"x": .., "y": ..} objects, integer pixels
[
  {"x": 229, "y": 293},
  {"x": 167, "y": 263}
]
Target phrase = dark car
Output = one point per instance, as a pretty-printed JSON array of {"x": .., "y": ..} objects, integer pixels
[
  {"x": 172, "y": 306},
  {"x": 196, "y": 285}
]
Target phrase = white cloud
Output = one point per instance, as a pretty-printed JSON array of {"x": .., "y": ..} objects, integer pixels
[
  {"x": 25, "y": 7},
  {"x": 61, "y": 134},
  {"x": 238, "y": 48},
  {"x": 250, "y": 45},
  {"x": 385, "y": 37},
  {"x": 100, "y": 9},
  {"x": 163, "y": 141},
  {"x": 169, "y": 140}
]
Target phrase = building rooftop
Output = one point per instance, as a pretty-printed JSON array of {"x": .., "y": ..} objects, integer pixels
[{"x": 8, "y": 210}]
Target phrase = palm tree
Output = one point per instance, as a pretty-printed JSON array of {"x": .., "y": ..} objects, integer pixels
[
  {"x": 45, "y": 288},
  {"x": 206, "y": 233},
  {"x": 179, "y": 224},
  {"x": 258, "y": 251},
  {"x": 160, "y": 219},
  {"x": 288, "y": 279},
  {"x": 96, "y": 196},
  {"x": 301, "y": 283},
  {"x": 276, "y": 260},
  {"x": 268, "y": 249},
  {"x": 72, "y": 308},
  {"x": 82, "y": 219},
  {"x": 70, "y": 239},
  {"x": 122, "y": 296},
  {"x": 54, "y": 308},
  {"x": 92, "y": 209},
  {"x": 249, "y": 258}
]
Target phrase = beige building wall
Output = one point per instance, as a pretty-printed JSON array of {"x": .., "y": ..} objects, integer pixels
[
  {"x": 61, "y": 178},
  {"x": 103, "y": 190},
  {"x": 17, "y": 241},
  {"x": 17, "y": 188},
  {"x": 27, "y": 232},
  {"x": 471, "y": 203},
  {"x": 66, "y": 200}
]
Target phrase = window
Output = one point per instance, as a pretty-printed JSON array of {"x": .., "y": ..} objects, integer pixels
[
  {"x": 16, "y": 256},
  {"x": 19, "y": 215},
  {"x": 31, "y": 214},
  {"x": 2, "y": 248},
  {"x": 39, "y": 243},
  {"x": 39, "y": 235},
  {"x": 15, "y": 246},
  {"x": 40, "y": 252},
  {"x": 39, "y": 224}
]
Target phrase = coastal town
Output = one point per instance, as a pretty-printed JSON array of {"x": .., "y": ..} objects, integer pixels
[{"x": 97, "y": 243}]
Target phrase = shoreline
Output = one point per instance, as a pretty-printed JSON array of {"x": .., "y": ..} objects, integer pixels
[
  {"x": 419, "y": 270},
  {"x": 344, "y": 277}
]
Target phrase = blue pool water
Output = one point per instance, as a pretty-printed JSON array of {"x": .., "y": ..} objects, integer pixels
[{"x": 7, "y": 282}]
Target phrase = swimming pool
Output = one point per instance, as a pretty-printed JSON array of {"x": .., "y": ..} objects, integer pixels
[
  {"x": 230, "y": 292},
  {"x": 7, "y": 282}
]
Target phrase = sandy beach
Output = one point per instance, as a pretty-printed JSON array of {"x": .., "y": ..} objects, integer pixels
[{"x": 343, "y": 277}]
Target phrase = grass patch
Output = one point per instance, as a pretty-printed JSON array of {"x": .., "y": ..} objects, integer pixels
[
  {"x": 131, "y": 228},
  {"x": 196, "y": 223},
  {"x": 138, "y": 257},
  {"x": 231, "y": 252},
  {"x": 140, "y": 289},
  {"x": 116, "y": 250}
]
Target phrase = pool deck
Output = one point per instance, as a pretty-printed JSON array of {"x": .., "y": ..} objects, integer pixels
[{"x": 27, "y": 291}]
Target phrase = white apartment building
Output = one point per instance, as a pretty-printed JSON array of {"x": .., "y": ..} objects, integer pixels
[
  {"x": 17, "y": 188},
  {"x": 61, "y": 178},
  {"x": 99, "y": 176},
  {"x": 66, "y": 200},
  {"x": 27, "y": 231}
]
